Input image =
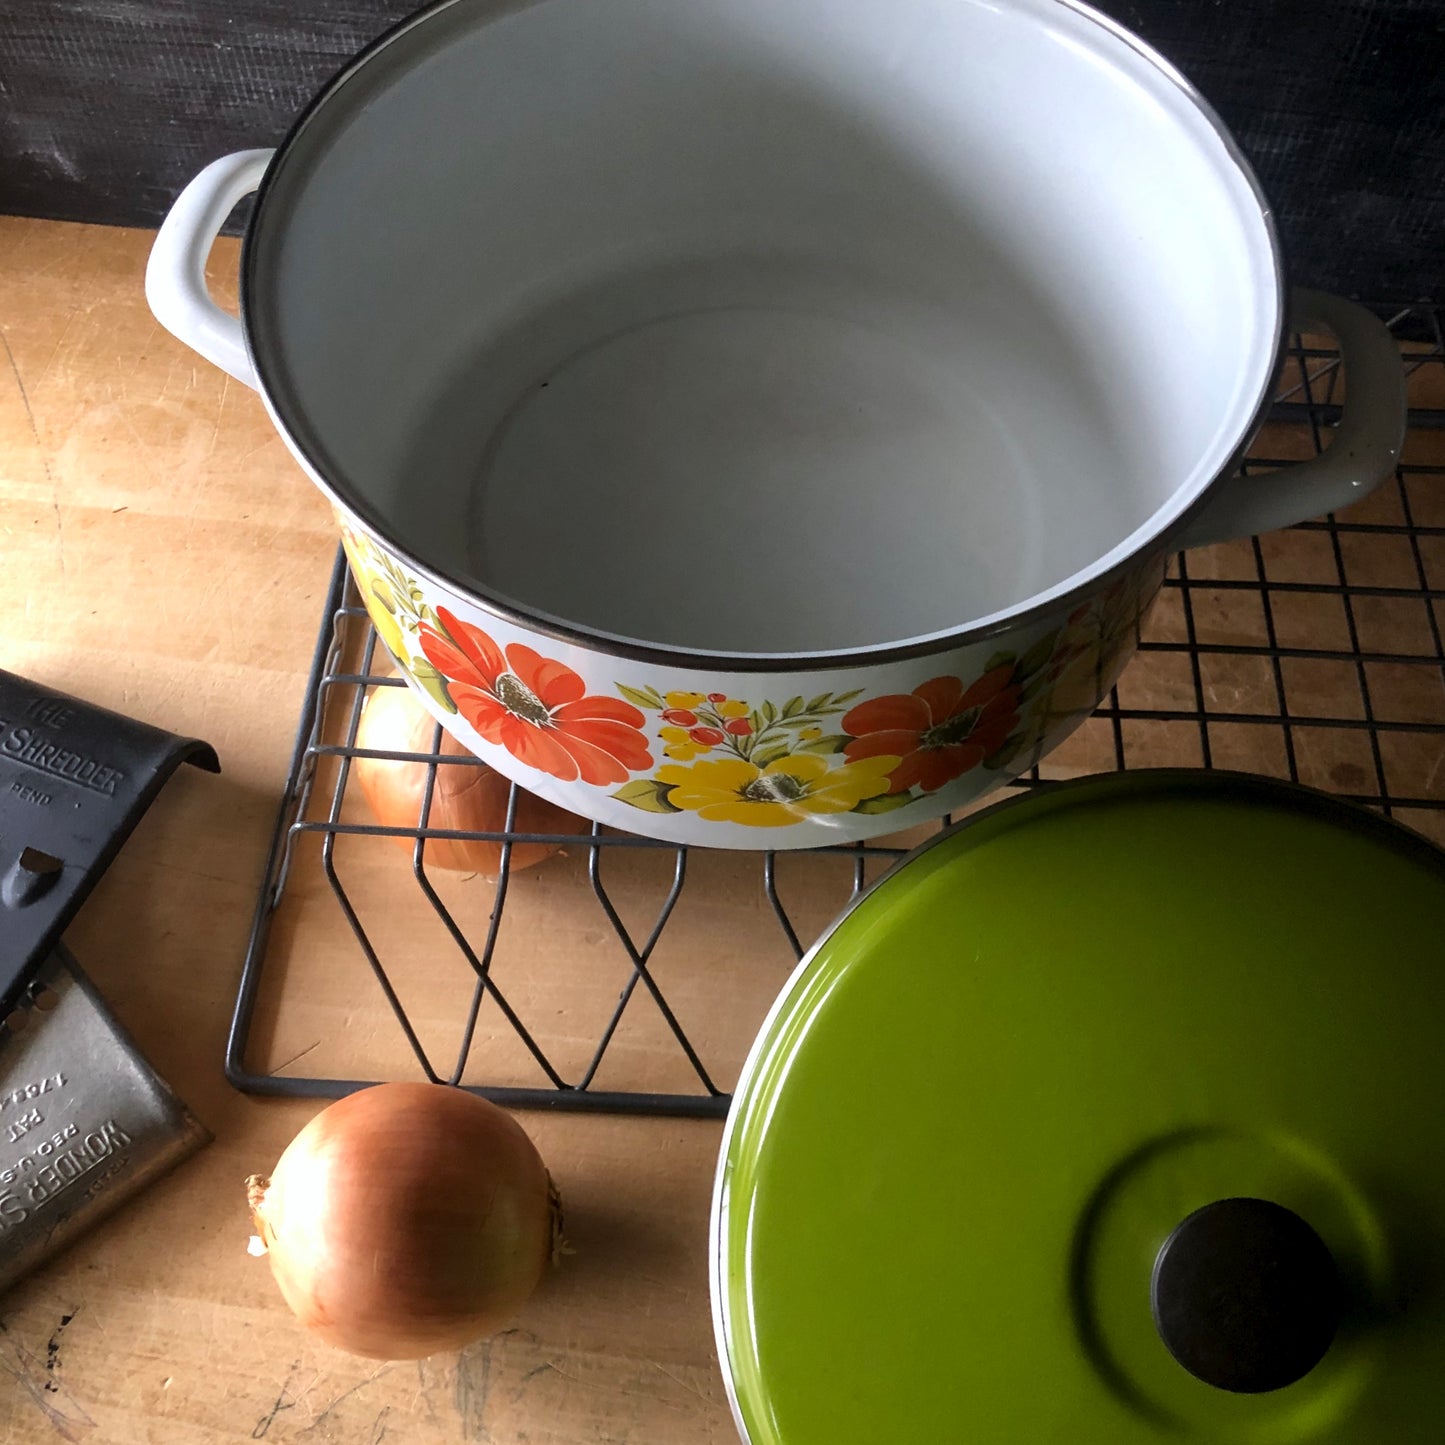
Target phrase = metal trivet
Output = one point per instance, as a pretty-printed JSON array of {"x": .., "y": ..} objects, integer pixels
[{"x": 1313, "y": 654}]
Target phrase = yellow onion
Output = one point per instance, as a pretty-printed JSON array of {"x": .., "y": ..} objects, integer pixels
[
  {"x": 468, "y": 799},
  {"x": 406, "y": 1219}
]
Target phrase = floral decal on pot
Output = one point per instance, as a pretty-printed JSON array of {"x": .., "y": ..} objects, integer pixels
[
  {"x": 1089, "y": 652},
  {"x": 940, "y": 730},
  {"x": 731, "y": 790},
  {"x": 765, "y": 765},
  {"x": 535, "y": 708},
  {"x": 1093, "y": 645},
  {"x": 771, "y": 764},
  {"x": 696, "y": 723},
  {"x": 760, "y": 764},
  {"x": 397, "y": 608}
]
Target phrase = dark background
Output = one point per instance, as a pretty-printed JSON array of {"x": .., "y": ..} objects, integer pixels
[{"x": 107, "y": 107}]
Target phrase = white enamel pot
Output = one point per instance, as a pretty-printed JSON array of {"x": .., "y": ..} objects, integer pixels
[{"x": 764, "y": 422}]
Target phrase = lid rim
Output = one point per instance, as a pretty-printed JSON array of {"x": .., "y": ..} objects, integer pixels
[{"x": 1217, "y": 784}]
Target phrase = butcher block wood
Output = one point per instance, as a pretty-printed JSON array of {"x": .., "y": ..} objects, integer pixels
[{"x": 161, "y": 554}]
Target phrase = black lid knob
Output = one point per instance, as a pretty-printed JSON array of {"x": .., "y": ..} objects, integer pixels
[{"x": 1246, "y": 1295}]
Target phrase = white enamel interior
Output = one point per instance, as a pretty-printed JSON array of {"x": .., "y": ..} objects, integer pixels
[{"x": 763, "y": 327}]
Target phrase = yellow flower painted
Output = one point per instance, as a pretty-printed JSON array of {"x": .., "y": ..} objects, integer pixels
[
  {"x": 731, "y": 790},
  {"x": 388, "y": 628},
  {"x": 682, "y": 699},
  {"x": 680, "y": 746},
  {"x": 733, "y": 708}
]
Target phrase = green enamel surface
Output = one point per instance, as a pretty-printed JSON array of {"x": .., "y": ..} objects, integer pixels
[{"x": 1024, "y": 1058}]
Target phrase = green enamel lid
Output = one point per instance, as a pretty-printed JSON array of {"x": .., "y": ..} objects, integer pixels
[{"x": 1115, "y": 1115}]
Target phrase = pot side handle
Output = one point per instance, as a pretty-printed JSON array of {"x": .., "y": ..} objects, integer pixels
[
  {"x": 1362, "y": 453},
  {"x": 176, "y": 271}
]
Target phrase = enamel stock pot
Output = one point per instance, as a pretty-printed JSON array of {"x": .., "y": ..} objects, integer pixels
[{"x": 765, "y": 422}]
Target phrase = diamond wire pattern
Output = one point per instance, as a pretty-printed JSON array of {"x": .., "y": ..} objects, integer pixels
[{"x": 1358, "y": 710}]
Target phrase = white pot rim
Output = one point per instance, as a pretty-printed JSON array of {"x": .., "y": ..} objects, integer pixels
[{"x": 1170, "y": 521}]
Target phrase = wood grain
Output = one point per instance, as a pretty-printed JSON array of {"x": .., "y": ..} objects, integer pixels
[{"x": 161, "y": 555}]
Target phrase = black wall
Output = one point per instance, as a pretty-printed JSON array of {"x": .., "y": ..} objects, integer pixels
[{"x": 107, "y": 107}]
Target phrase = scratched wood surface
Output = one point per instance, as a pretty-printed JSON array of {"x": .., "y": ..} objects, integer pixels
[{"x": 161, "y": 555}]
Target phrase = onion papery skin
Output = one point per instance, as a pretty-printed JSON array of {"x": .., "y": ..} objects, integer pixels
[
  {"x": 471, "y": 799},
  {"x": 407, "y": 1219}
]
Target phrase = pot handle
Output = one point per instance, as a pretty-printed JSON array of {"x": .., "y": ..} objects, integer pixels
[
  {"x": 176, "y": 271},
  {"x": 1362, "y": 453}
]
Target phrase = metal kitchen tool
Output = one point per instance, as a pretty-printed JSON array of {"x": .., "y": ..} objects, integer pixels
[
  {"x": 74, "y": 781},
  {"x": 1112, "y": 1115},
  {"x": 85, "y": 1121}
]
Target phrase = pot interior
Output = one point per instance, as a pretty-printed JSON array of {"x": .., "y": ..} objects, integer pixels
[{"x": 762, "y": 328}]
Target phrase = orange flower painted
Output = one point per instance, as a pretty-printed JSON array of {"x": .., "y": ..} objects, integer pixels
[
  {"x": 939, "y": 731},
  {"x": 536, "y": 708}
]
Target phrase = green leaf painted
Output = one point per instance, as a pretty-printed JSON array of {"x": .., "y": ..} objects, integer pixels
[
  {"x": 388, "y": 629},
  {"x": 638, "y": 698},
  {"x": 432, "y": 682},
  {"x": 886, "y": 804},
  {"x": 849, "y": 696},
  {"x": 822, "y": 700},
  {"x": 793, "y": 707},
  {"x": 1036, "y": 657},
  {"x": 384, "y": 593},
  {"x": 1039, "y": 682},
  {"x": 832, "y": 743},
  {"x": 768, "y": 714},
  {"x": 647, "y": 794},
  {"x": 770, "y": 754}
]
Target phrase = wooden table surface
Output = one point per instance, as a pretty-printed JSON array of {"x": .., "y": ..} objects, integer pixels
[{"x": 161, "y": 554}]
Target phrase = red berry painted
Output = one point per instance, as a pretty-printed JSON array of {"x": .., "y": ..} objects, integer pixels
[
  {"x": 706, "y": 737},
  {"x": 739, "y": 727},
  {"x": 680, "y": 716}
]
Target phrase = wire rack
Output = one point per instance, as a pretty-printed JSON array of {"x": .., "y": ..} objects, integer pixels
[{"x": 630, "y": 975}]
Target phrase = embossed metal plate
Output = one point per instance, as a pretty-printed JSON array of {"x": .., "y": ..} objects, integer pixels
[{"x": 85, "y": 1122}]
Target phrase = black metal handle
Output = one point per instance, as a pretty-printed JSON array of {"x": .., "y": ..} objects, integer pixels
[{"x": 74, "y": 781}]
